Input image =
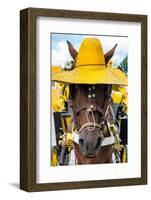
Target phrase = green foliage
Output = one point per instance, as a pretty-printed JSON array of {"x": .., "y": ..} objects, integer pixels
[{"x": 124, "y": 64}]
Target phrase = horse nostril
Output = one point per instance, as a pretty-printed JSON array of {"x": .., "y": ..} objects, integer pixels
[
  {"x": 81, "y": 141},
  {"x": 98, "y": 144}
]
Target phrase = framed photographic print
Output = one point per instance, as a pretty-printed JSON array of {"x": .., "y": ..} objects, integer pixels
[{"x": 83, "y": 99}]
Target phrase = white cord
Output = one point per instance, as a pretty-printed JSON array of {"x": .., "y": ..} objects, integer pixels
[{"x": 89, "y": 110}]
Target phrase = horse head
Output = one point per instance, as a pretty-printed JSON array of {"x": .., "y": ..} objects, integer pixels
[{"x": 90, "y": 110}]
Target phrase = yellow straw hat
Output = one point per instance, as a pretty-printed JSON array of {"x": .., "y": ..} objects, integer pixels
[{"x": 91, "y": 67}]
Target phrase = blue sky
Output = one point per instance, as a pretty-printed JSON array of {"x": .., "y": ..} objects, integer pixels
[
  {"x": 74, "y": 39},
  {"x": 60, "y": 53}
]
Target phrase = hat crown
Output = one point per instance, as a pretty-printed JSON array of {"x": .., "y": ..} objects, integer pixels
[{"x": 90, "y": 53}]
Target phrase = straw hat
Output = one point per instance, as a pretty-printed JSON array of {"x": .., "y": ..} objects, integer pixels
[{"x": 91, "y": 66}]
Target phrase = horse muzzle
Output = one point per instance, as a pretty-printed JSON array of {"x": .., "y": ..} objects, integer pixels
[{"x": 90, "y": 142}]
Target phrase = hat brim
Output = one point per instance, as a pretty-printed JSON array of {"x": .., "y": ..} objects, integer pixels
[{"x": 92, "y": 75}]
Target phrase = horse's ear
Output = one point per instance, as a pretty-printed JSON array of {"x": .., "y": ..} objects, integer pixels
[
  {"x": 72, "y": 50},
  {"x": 109, "y": 54}
]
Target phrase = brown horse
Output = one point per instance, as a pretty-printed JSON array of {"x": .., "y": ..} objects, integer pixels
[{"x": 92, "y": 112}]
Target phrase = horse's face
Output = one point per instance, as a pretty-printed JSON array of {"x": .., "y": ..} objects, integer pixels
[{"x": 83, "y": 98}]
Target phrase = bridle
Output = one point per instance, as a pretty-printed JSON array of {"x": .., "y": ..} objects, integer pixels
[{"x": 103, "y": 126}]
